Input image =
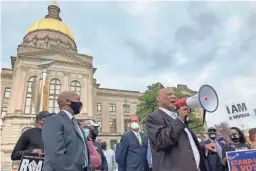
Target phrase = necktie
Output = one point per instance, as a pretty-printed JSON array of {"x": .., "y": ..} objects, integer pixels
[
  {"x": 219, "y": 150},
  {"x": 139, "y": 138}
]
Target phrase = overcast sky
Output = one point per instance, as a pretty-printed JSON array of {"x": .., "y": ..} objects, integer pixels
[{"x": 135, "y": 44}]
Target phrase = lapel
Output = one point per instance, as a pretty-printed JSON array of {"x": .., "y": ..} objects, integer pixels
[
  {"x": 64, "y": 115},
  {"x": 165, "y": 115},
  {"x": 134, "y": 137}
]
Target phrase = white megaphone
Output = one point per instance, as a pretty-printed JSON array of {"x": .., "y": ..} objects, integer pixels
[{"x": 206, "y": 98}]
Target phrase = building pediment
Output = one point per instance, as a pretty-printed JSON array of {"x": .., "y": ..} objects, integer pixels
[{"x": 61, "y": 57}]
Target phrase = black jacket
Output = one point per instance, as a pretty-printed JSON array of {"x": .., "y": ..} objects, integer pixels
[{"x": 29, "y": 140}]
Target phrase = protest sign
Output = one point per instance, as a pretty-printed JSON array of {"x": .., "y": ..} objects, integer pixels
[
  {"x": 237, "y": 111},
  {"x": 31, "y": 162},
  {"x": 242, "y": 160}
]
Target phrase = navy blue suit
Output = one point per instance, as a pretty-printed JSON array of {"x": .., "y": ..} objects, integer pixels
[{"x": 131, "y": 155}]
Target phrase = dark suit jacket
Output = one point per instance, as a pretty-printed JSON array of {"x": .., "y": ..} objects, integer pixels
[
  {"x": 213, "y": 159},
  {"x": 170, "y": 146},
  {"x": 131, "y": 155},
  {"x": 63, "y": 145}
]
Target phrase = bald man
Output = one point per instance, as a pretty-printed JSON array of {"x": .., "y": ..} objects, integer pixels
[
  {"x": 65, "y": 145},
  {"x": 174, "y": 147}
]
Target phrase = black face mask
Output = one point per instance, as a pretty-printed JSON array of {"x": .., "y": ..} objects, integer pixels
[
  {"x": 212, "y": 136},
  {"x": 235, "y": 137},
  {"x": 104, "y": 146},
  {"x": 76, "y": 107}
]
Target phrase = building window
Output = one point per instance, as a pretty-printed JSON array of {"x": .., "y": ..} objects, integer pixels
[
  {"x": 126, "y": 125},
  {"x": 76, "y": 87},
  {"x": 112, "y": 107},
  {"x": 30, "y": 97},
  {"x": 126, "y": 108},
  {"x": 7, "y": 92},
  {"x": 112, "y": 125},
  {"x": 3, "y": 111},
  {"x": 98, "y": 106},
  {"x": 55, "y": 88}
]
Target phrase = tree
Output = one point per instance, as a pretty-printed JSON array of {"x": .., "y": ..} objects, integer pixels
[
  {"x": 223, "y": 130},
  {"x": 148, "y": 104}
]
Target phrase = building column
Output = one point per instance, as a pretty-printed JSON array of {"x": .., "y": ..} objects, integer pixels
[
  {"x": 17, "y": 91},
  {"x": 89, "y": 96},
  {"x": 119, "y": 118},
  {"x": 65, "y": 86},
  {"x": 84, "y": 95},
  {"x": 14, "y": 89},
  {"x": 105, "y": 118}
]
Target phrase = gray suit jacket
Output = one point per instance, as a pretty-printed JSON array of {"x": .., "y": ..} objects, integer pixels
[
  {"x": 170, "y": 146},
  {"x": 63, "y": 145}
]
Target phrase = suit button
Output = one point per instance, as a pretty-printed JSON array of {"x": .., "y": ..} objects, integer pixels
[
  {"x": 83, "y": 152},
  {"x": 190, "y": 147}
]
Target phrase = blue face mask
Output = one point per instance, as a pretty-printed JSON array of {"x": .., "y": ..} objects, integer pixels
[{"x": 86, "y": 132}]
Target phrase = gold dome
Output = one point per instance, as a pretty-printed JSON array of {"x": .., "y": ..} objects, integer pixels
[{"x": 52, "y": 24}]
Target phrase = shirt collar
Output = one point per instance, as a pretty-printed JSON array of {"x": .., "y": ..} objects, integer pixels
[
  {"x": 136, "y": 133},
  {"x": 173, "y": 115},
  {"x": 68, "y": 114}
]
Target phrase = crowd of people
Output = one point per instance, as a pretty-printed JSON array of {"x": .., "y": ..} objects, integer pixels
[{"x": 69, "y": 145}]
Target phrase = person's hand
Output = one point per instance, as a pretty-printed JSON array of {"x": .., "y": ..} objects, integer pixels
[
  {"x": 210, "y": 147},
  {"x": 225, "y": 160},
  {"x": 183, "y": 112},
  {"x": 38, "y": 151}
]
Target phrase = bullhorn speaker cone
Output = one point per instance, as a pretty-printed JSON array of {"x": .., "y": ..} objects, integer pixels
[{"x": 208, "y": 98}]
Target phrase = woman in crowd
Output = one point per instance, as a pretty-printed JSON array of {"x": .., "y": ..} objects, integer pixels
[
  {"x": 252, "y": 138},
  {"x": 238, "y": 143}
]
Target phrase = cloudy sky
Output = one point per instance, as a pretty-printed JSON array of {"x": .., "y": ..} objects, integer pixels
[{"x": 138, "y": 43}]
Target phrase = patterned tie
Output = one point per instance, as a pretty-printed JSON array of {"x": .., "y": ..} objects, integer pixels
[
  {"x": 218, "y": 148},
  {"x": 139, "y": 138}
]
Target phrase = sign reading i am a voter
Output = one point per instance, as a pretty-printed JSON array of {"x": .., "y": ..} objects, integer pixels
[{"x": 242, "y": 160}]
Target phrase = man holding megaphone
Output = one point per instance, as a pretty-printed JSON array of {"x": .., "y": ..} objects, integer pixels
[{"x": 174, "y": 147}]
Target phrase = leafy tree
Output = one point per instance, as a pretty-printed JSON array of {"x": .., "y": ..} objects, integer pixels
[
  {"x": 223, "y": 130},
  {"x": 148, "y": 104}
]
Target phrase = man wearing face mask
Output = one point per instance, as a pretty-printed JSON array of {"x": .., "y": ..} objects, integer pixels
[
  {"x": 214, "y": 158},
  {"x": 132, "y": 152},
  {"x": 92, "y": 136},
  {"x": 110, "y": 156},
  {"x": 31, "y": 141},
  {"x": 65, "y": 145}
]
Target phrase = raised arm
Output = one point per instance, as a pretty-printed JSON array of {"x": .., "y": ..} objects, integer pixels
[
  {"x": 163, "y": 136},
  {"x": 54, "y": 147}
]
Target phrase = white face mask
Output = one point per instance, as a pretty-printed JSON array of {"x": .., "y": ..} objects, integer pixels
[{"x": 135, "y": 125}]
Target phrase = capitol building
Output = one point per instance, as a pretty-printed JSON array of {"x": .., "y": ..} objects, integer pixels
[{"x": 46, "y": 63}]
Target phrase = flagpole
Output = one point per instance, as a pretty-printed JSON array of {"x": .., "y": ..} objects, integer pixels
[{"x": 43, "y": 100}]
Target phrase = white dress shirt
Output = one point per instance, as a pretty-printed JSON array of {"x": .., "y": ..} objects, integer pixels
[{"x": 191, "y": 140}]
